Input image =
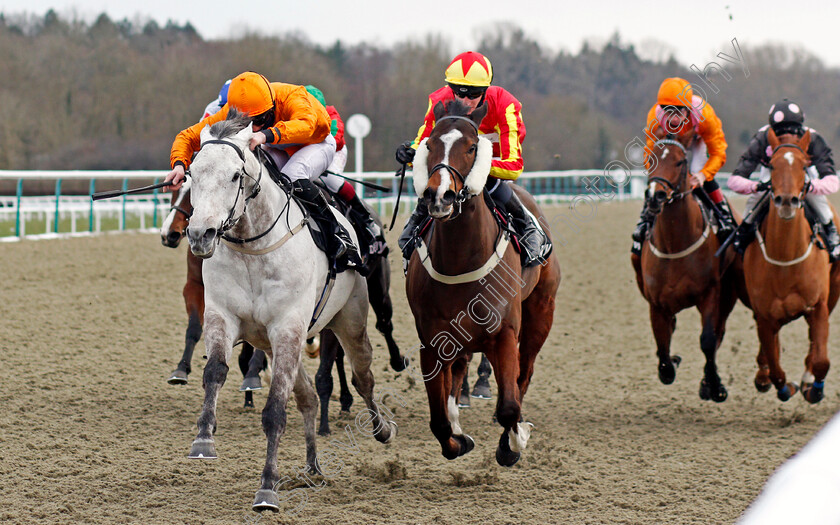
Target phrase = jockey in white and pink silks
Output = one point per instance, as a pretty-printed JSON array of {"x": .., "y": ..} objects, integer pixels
[{"x": 787, "y": 117}]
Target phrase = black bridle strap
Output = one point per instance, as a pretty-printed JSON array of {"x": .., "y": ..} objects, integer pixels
[
  {"x": 788, "y": 145},
  {"x": 441, "y": 165},
  {"x": 458, "y": 117},
  {"x": 180, "y": 209}
]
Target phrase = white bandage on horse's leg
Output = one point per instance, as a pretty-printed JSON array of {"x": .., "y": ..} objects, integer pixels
[
  {"x": 452, "y": 409},
  {"x": 519, "y": 440}
]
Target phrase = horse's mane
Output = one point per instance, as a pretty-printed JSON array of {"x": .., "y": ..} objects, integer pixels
[
  {"x": 455, "y": 108},
  {"x": 234, "y": 123}
]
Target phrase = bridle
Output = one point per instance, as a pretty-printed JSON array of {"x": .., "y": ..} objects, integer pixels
[
  {"x": 230, "y": 221},
  {"x": 800, "y": 200},
  {"x": 462, "y": 195},
  {"x": 674, "y": 194}
]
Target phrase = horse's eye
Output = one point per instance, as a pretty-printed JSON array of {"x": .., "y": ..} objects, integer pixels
[
  {"x": 472, "y": 149},
  {"x": 236, "y": 176}
]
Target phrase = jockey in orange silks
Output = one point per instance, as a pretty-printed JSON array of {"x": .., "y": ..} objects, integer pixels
[
  {"x": 468, "y": 79},
  {"x": 678, "y": 110}
]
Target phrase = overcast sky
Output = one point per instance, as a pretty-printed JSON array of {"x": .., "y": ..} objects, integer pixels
[{"x": 694, "y": 31}]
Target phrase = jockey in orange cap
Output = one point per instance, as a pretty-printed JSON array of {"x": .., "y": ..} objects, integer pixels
[
  {"x": 295, "y": 129},
  {"x": 677, "y": 110},
  {"x": 468, "y": 79}
]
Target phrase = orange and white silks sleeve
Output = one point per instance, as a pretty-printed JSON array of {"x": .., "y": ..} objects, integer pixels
[
  {"x": 711, "y": 130},
  {"x": 188, "y": 141},
  {"x": 505, "y": 116},
  {"x": 300, "y": 118}
]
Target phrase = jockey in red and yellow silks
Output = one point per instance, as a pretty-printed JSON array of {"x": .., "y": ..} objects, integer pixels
[
  {"x": 677, "y": 111},
  {"x": 503, "y": 126},
  {"x": 468, "y": 78}
]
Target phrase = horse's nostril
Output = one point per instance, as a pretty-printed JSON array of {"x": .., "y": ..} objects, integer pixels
[
  {"x": 659, "y": 195},
  {"x": 777, "y": 200},
  {"x": 795, "y": 202},
  {"x": 173, "y": 237},
  {"x": 448, "y": 197},
  {"x": 210, "y": 234}
]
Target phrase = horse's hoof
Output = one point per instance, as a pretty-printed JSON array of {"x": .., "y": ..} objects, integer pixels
[
  {"x": 787, "y": 391},
  {"x": 465, "y": 442},
  {"x": 504, "y": 455},
  {"x": 249, "y": 403},
  {"x": 324, "y": 431},
  {"x": 399, "y": 364},
  {"x": 813, "y": 392},
  {"x": 481, "y": 390},
  {"x": 178, "y": 377},
  {"x": 668, "y": 370},
  {"x": 763, "y": 385},
  {"x": 249, "y": 384},
  {"x": 203, "y": 448},
  {"x": 266, "y": 500},
  {"x": 707, "y": 393},
  {"x": 346, "y": 403},
  {"x": 463, "y": 401},
  {"x": 389, "y": 437}
]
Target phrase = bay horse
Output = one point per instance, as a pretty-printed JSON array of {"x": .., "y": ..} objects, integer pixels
[
  {"x": 786, "y": 278},
  {"x": 171, "y": 232},
  {"x": 467, "y": 289},
  {"x": 266, "y": 281},
  {"x": 677, "y": 268}
]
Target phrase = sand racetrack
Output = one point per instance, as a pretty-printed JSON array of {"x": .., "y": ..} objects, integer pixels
[{"x": 90, "y": 432}]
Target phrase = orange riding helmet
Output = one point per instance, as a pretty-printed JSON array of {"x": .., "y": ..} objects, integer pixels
[
  {"x": 675, "y": 91},
  {"x": 250, "y": 93}
]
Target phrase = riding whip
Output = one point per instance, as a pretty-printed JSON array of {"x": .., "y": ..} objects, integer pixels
[
  {"x": 729, "y": 240},
  {"x": 371, "y": 185},
  {"x": 119, "y": 193},
  {"x": 401, "y": 174}
]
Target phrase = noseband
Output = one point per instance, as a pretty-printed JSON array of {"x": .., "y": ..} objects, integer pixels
[
  {"x": 674, "y": 196},
  {"x": 462, "y": 195}
]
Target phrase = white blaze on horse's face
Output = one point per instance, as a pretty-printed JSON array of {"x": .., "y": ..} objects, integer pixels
[
  {"x": 438, "y": 209},
  {"x": 216, "y": 171},
  {"x": 665, "y": 153},
  {"x": 789, "y": 157}
]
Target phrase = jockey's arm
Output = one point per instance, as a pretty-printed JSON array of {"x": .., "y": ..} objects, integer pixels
[{"x": 711, "y": 131}]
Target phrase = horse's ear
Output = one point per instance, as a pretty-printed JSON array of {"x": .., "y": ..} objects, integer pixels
[
  {"x": 205, "y": 134},
  {"x": 245, "y": 134},
  {"x": 439, "y": 111},
  {"x": 805, "y": 141},
  {"x": 478, "y": 114},
  {"x": 772, "y": 139}
]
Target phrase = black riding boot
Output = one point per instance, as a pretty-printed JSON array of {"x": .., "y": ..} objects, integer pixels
[
  {"x": 339, "y": 242},
  {"x": 727, "y": 225},
  {"x": 533, "y": 239},
  {"x": 417, "y": 217},
  {"x": 645, "y": 221},
  {"x": 373, "y": 233},
  {"x": 743, "y": 237},
  {"x": 832, "y": 241}
]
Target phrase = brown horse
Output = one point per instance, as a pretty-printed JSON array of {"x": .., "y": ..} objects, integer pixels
[
  {"x": 467, "y": 290},
  {"x": 786, "y": 278},
  {"x": 677, "y": 268},
  {"x": 171, "y": 233}
]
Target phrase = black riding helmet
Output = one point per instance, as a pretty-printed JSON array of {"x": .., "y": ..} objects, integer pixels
[{"x": 786, "y": 117}]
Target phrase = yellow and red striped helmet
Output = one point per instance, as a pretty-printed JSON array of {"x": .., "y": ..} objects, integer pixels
[{"x": 470, "y": 69}]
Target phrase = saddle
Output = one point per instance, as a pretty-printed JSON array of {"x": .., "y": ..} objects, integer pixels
[
  {"x": 320, "y": 238},
  {"x": 368, "y": 249}
]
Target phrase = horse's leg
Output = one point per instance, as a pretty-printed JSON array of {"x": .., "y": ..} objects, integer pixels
[
  {"x": 481, "y": 389},
  {"x": 762, "y": 376},
  {"x": 251, "y": 381},
  {"x": 307, "y": 403},
  {"x": 537, "y": 318},
  {"x": 219, "y": 336},
  {"x": 378, "y": 284},
  {"x": 350, "y": 327},
  {"x": 324, "y": 380},
  {"x": 504, "y": 358},
  {"x": 709, "y": 307},
  {"x": 663, "y": 324},
  {"x": 194, "y": 301},
  {"x": 345, "y": 398},
  {"x": 443, "y": 410},
  {"x": 768, "y": 336},
  {"x": 245, "y": 355},
  {"x": 460, "y": 388},
  {"x": 816, "y": 363},
  {"x": 286, "y": 345}
]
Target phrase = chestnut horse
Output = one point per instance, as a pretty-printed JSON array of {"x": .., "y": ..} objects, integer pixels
[
  {"x": 171, "y": 232},
  {"x": 677, "y": 268},
  {"x": 466, "y": 287},
  {"x": 786, "y": 278}
]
